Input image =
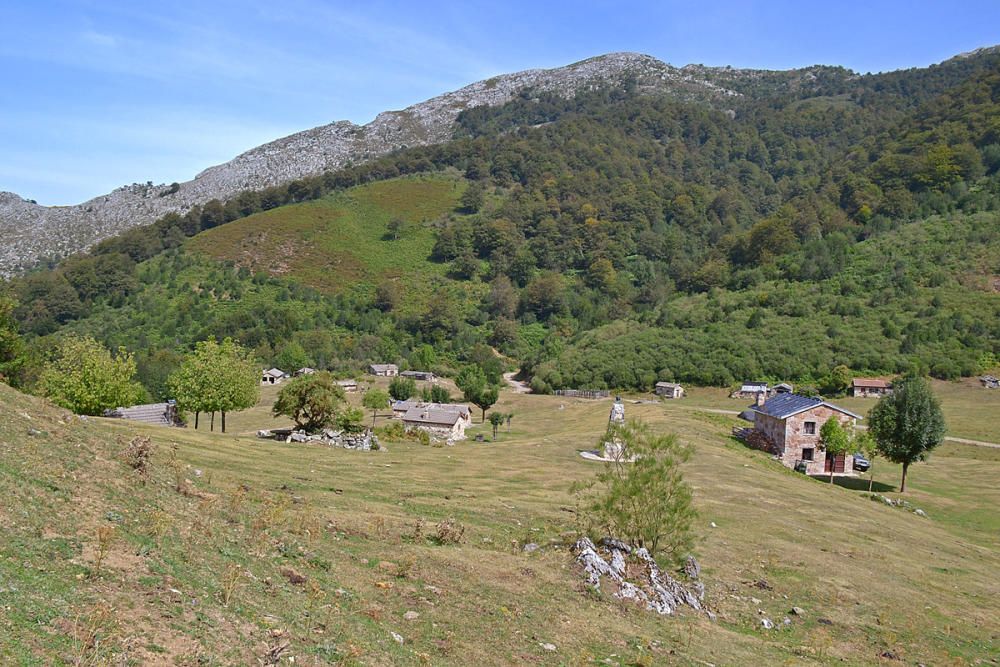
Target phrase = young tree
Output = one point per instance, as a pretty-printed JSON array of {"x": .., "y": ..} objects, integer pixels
[
  {"x": 907, "y": 424},
  {"x": 435, "y": 393},
  {"x": 351, "y": 420},
  {"x": 237, "y": 377},
  {"x": 402, "y": 388},
  {"x": 311, "y": 401},
  {"x": 88, "y": 380},
  {"x": 395, "y": 228},
  {"x": 509, "y": 416},
  {"x": 472, "y": 381},
  {"x": 865, "y": 443},
  {"x": 496, "y": 418},
  {"x": 216, "y": 377},
  {"x": 641, "y": 497},
  {"x": 375, "y": 400},
  {"x": 834, "y": 440}
]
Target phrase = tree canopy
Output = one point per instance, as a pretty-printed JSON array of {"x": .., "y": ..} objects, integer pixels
[
  {"x": 907, "y": 424},
  {"x": 313, "y": 401},
  {"x": 87, "y": 379}
]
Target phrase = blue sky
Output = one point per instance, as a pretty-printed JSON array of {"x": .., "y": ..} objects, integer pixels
[{"x": 100, "y": 94}]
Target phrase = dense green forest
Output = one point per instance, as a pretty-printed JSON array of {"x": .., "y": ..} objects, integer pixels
[{"x": 610, "y": 239}]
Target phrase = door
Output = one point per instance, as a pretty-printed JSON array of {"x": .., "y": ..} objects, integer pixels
[{"x": 837, "y": 463}]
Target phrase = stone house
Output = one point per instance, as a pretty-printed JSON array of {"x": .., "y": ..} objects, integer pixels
[
  {"x": 384, "y": 370},
  {"x": 870, "y": 388},
  {"x": 304, "y": 371},
  {"x": 791, "y": 424},
  {"x": 420, "y": 376},
  {"x": 273, "y": 376},
  {"x": 401, "y": 408},
  {"x": 348, "y": 385},
  {"x": 668, "y": 390},
  {"x": 449, "y": 424},
  {"x": 782, "y": 388}
]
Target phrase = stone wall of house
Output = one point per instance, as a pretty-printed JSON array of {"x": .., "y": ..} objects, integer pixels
[
  {"x": 772, "y": 428},
  {"x": 795, "y": 438}
]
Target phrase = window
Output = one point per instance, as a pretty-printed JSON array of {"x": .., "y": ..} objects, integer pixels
[
  {"x": 809, "y": 428},
  {"x": 807, "y": 454}
]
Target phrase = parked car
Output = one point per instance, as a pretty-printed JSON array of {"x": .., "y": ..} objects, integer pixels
[{"x": 861, "y": 464}]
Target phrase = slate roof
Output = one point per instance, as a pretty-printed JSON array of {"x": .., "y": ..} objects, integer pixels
[
  {"x": 382, "y": 368},
  {"x": 874, "y": 384},
  {"x": 667, "y": 384},
  {"x": 751, "y": 387},
  {"x": 436, "y": 417},
  {"x": 150, "y": 413},
  {"x": 783, "y": 406},
  {"x": 275, "y": 373}
]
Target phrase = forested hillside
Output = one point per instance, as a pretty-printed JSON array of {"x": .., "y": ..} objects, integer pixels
[{"x": 609, "y": 239}]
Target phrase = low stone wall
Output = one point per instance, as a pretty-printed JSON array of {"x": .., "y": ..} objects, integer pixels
[{"x": 365, "y": 441}]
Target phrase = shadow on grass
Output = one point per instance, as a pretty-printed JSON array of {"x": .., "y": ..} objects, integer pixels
[{"x": 856, "y": 483}]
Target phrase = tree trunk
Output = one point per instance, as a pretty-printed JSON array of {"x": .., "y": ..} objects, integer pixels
[
  {"x": 211, "y": 424},
  {"x": 374, "y": 412},
  {"x": 223, "y": 421},
  {"x": 902, "y": 484},
  {"x": 196, "y": 415},
  {"x": 484, "y": 415},
  {"x": 871, "y": 479}
]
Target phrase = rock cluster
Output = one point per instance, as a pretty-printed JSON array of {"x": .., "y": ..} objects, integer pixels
[
  {"x": 32, "y": 232},
  {"x": 899, "y": 502},
  {"x": 632, "y": 574},
  {"x": 363, "y": 442}
]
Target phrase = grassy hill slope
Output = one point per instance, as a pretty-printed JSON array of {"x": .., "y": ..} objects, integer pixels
[
  {"x": 336, "y": 242},
  {"x": 194, "y": 574}
]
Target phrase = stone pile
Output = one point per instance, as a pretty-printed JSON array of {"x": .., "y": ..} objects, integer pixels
[
  {"x": 363, "y": 442},
  {"x": 632, "y": 574}
]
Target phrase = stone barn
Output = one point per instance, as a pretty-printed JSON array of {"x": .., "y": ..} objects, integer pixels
[
  {"x": 668, "y": 390},
  {"x": 791, "y": 423},
  {"x": 439, "y": 422},
  {"x": 870, "y": 388},
  {"x": 384, "y": 370},
  {"x": 273, "y": 376}
]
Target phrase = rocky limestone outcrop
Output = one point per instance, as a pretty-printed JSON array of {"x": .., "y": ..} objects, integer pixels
[
  {"x": 32, "y": 232},
  {"x": 632, "y": 574}
]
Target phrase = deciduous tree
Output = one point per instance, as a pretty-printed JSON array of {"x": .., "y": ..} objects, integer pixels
[
  {"x": 311, "y": 401},
  {"x": 375, "y": 400},
  {"x": 87, "y": 379},
  {"x": 907, "y": 424},
  {"x": 834, "y": 440}
]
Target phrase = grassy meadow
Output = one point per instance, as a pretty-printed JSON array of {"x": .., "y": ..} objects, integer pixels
[{"x": 239, "y": 550}]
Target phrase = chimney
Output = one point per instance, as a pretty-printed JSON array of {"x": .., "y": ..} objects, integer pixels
[{"x": 761, "y": 397}]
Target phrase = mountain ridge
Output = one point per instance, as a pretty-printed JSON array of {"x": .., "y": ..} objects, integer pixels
[{"x": 38, "y": 232}]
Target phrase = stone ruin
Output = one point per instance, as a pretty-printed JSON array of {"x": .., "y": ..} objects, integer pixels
[
  {"x": 364, "y": 442},
  {"x": 632, "y": 574}
]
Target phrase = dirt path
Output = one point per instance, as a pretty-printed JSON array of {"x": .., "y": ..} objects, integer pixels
[{"x": 518, "y": 386}]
